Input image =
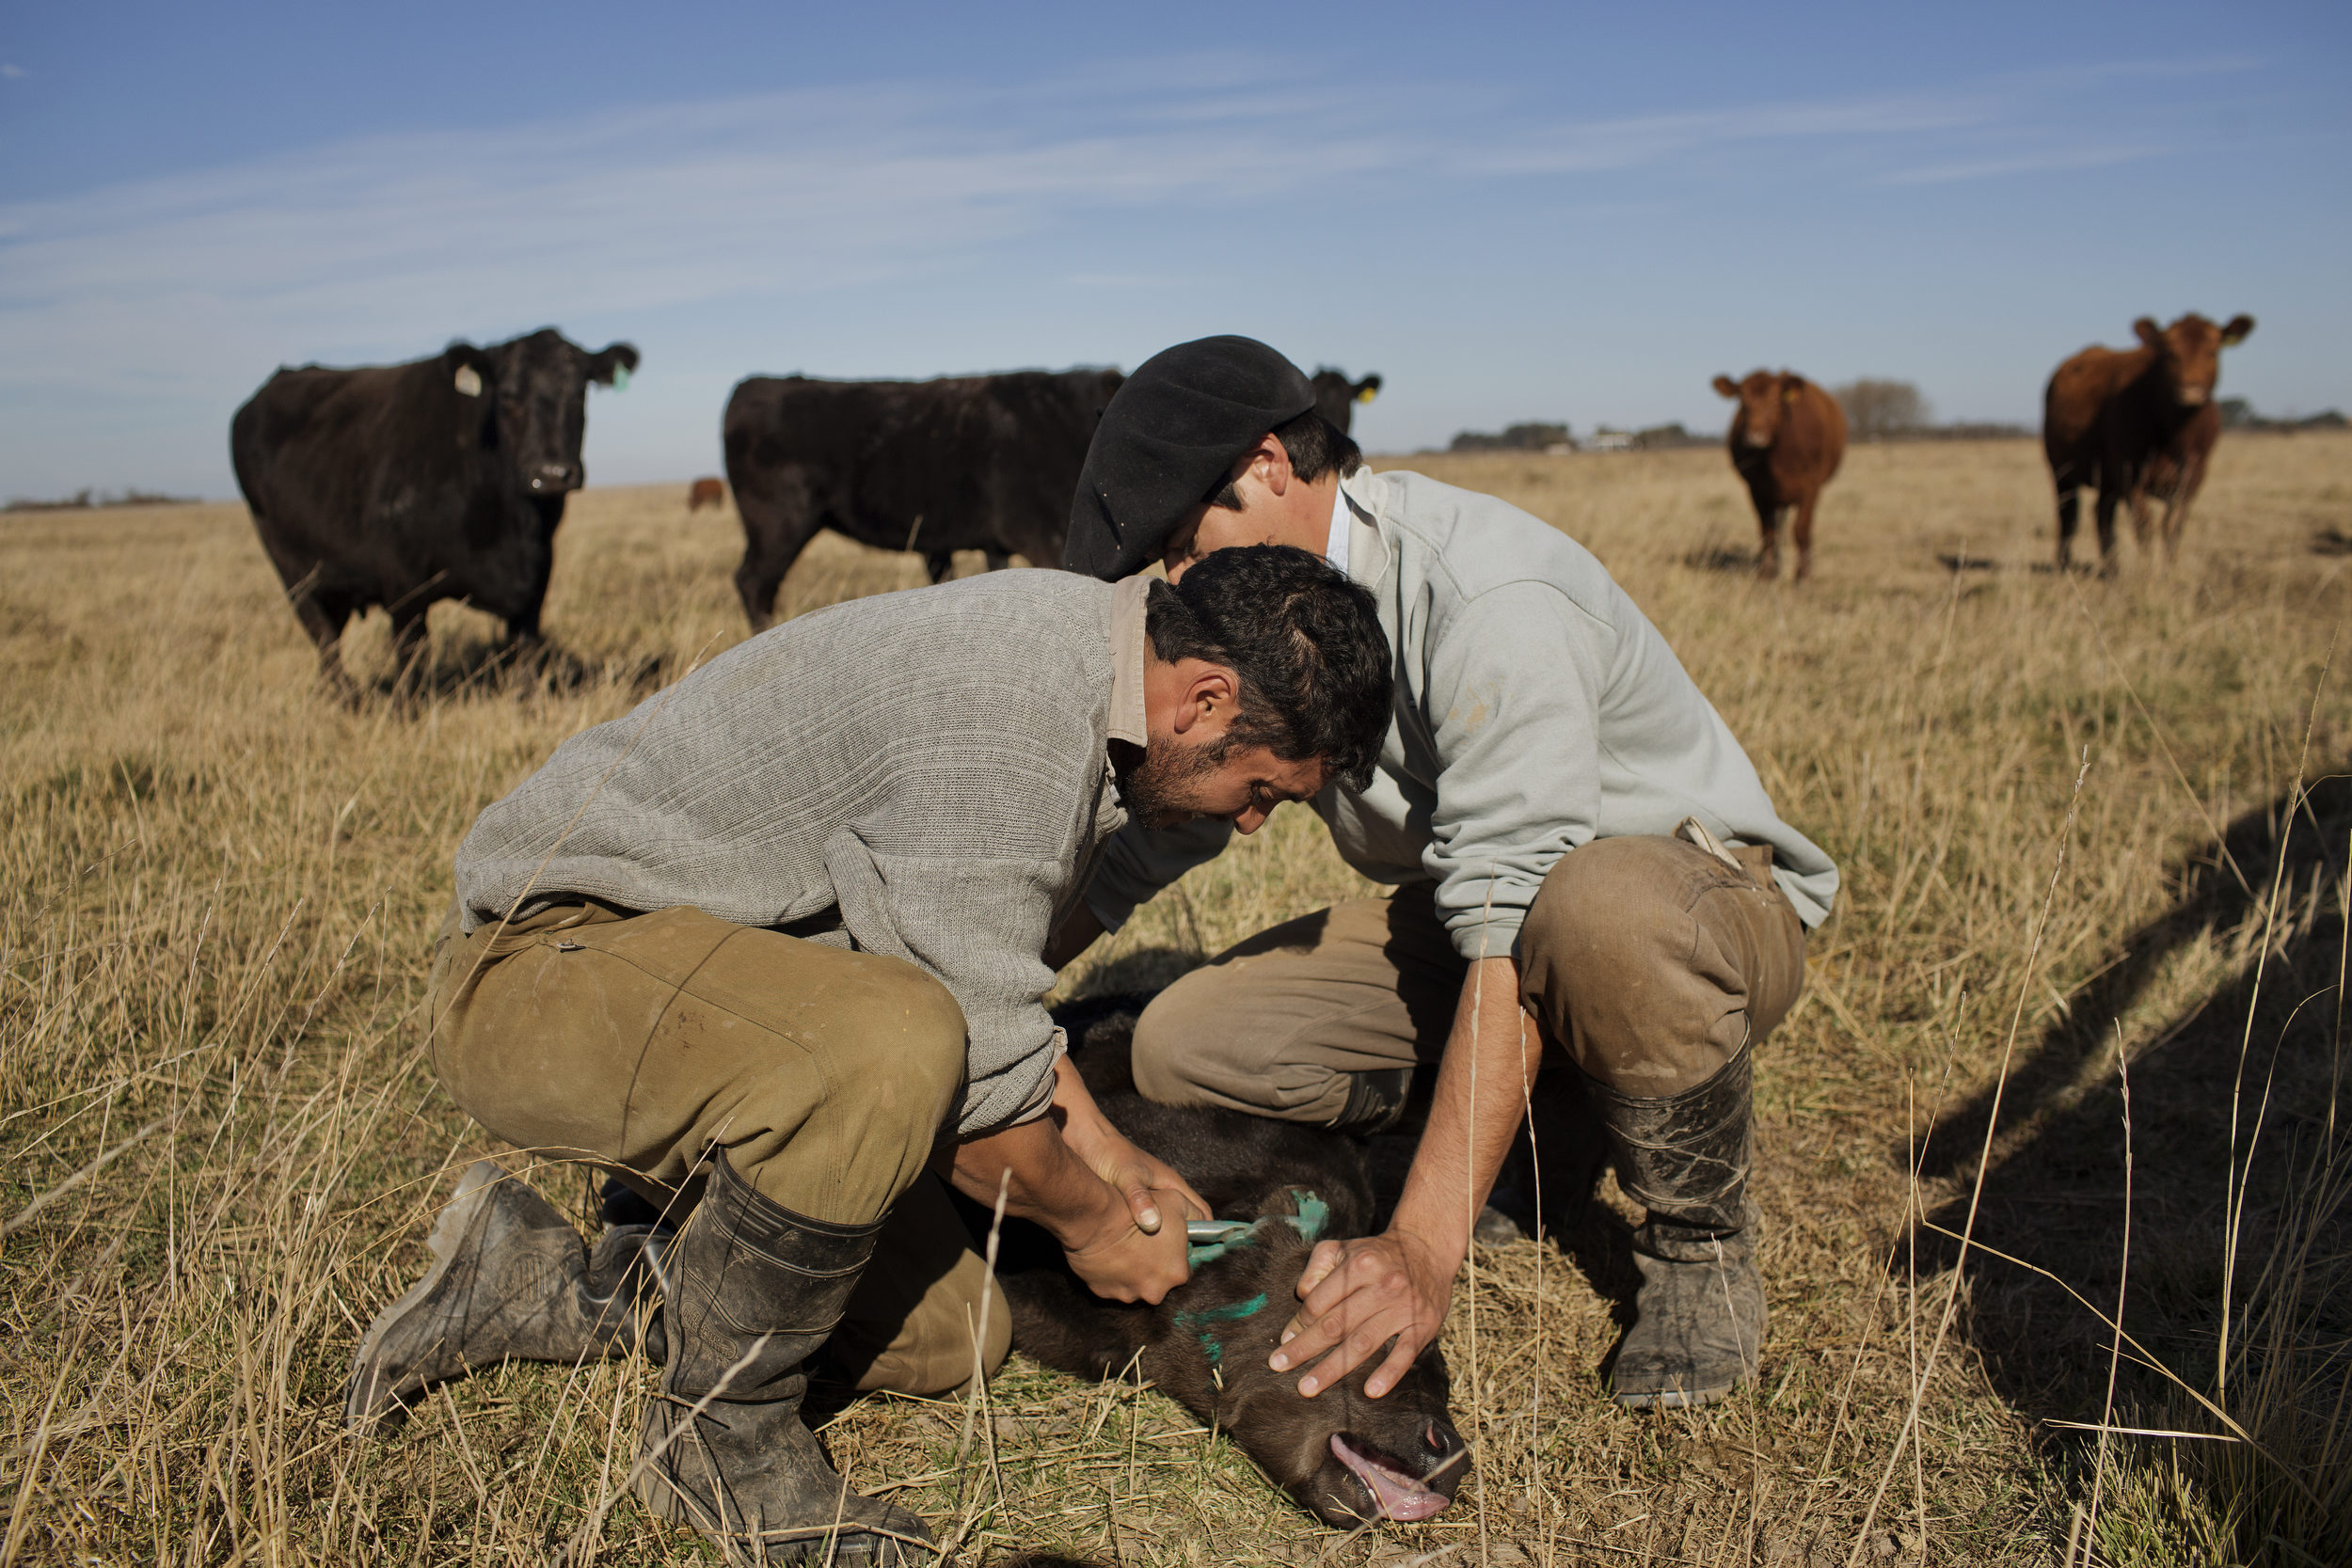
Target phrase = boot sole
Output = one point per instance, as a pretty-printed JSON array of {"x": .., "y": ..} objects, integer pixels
[
  {"x": 365, "y": 1407},
  {"x": 1677, "y": 1398}
]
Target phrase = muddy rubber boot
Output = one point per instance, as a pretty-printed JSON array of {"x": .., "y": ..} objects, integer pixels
[
  {"x": 1698, "y": 1327},
  {"x": 510, "y": 1281},
  {"x": 754, "y": 1289}
]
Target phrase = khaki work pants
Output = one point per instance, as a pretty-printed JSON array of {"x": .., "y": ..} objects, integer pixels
[
  {"x": 638, "y": 1043},
  {"x": 1648, "y": 961}
]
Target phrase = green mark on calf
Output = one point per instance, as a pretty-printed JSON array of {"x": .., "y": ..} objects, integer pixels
[{"x": 1200, "y": 1323}]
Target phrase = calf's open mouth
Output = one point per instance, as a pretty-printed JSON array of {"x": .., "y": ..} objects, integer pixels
[{"x": 1399, "y": 1495}]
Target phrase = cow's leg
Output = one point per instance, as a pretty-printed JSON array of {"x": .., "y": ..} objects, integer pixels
[
  {"x": 2176, "y": 510},
  {"x": 325, "y": 629},
  {"x": 940, "y": 565},
  {"x": 2141, "y": 520},
  {"x": 779, "y": 518},
  {"x": 998, "y": 559},
  {"x": 2175, "y": 519},
  {"x": 1803, "y": 529},
  {"x": 2069, "y": 515},
  {"x": 1768, "y": 525},
  {"x": 2109, "y": 498}
]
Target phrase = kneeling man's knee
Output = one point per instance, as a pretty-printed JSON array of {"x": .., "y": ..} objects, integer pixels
[{"x": 1619, "y": 965}]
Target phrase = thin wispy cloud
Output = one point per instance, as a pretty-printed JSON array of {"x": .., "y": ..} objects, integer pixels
[{"x": 184, "y": 289}]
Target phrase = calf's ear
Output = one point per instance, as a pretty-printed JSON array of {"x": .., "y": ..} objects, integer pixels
[
  {"x": 2239, "y": 329},
  {"x": 611, "y": 360},
  {"x": 1368, "y": 389},
  {"x": 1790, "y": 385},
  {"x": 469, "y": 369},
  {"x": 1725, "y": 387},
  {"x": 2149, "y": 332}
]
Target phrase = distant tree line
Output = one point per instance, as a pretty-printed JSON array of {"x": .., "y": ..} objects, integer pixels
[
  {"x": 1878, "y": 408},
  {"x": 91, "y": 500},
  {"x": 2238, "y": 414}
]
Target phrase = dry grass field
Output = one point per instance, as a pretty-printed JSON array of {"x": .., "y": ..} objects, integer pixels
[{"x": 2095, "y": 838}]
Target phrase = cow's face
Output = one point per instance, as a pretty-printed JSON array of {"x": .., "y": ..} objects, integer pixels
[
  {"x": 537, "y": 391},
  {"x": 1336, "y": 397},
  {"x": 1763, "y": 398},
  {"x": 2188, "y": 354}
]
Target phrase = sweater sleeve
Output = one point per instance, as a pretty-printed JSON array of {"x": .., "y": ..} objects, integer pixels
[
  {"x": 979, "y": 925},
  {"x": 1513, "y": 696}
]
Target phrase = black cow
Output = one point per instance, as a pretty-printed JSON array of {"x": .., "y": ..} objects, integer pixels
[
  {"x": 970, "y": 463},
  {"x": 1336, "y": 397},
  {"x": 401, "y": 484}
]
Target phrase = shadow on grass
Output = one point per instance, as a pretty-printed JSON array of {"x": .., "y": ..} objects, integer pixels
[{"x": 2237, "y": 1126}]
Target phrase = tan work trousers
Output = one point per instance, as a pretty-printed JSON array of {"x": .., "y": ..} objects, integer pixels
[
  {"x": 638, "y": 1043},
  {"x": 1647, "y": 960}
]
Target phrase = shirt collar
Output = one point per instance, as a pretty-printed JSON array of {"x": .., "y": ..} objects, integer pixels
[
  {"x": 1343, "y": 524},
  {"x": 1127, "y": 722}
]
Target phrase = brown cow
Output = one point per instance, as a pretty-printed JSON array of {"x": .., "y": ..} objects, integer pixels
[
  {"x": 706, "y": 492},
  {"x": 2112, "y": 416},
  {"x": 1786, "y": 441}
]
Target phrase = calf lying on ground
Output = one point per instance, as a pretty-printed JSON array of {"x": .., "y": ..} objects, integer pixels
[{"x": 1344, "y": 1456}]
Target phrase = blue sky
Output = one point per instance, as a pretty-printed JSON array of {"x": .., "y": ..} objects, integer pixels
[{"x": 1510, "y": 213}]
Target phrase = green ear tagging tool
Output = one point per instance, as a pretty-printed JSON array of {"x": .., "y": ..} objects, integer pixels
[{"x": 1210, "y": 1239}]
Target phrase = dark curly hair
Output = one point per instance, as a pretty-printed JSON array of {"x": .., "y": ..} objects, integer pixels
[{"x": 1304, "y": 642}]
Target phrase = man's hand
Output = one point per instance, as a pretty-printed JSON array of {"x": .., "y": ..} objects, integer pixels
[
  {"x": 1137, "y": 1176},
  {"x": 1125, "y": 1263},
  {"x": 1356, "y": 1296}
]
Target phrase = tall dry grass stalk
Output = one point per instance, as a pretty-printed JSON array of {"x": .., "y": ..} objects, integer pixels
[{"x": 223, "y": 1144}]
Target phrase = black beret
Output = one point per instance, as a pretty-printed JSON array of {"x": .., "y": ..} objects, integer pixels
[{"x": 1168, "y": 439}]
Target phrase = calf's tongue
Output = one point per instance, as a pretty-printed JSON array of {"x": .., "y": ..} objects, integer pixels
[{"x": 1401, "y": 1497}]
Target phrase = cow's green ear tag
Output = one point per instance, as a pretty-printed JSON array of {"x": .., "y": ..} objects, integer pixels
[{"x": 620, "y": 378}]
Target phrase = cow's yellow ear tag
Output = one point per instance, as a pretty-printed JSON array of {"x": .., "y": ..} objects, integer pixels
[
  {"x": 1368, "y": 394},
  {"x": 468, "y": 381}
]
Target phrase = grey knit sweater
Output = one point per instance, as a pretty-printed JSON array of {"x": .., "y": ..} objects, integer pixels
[{"x": 930, "y": 764}]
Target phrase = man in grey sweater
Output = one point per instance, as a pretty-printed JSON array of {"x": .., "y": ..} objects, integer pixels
[
  {"x": 771, "y": 945},
  {"x": 1586, "y": 866}
]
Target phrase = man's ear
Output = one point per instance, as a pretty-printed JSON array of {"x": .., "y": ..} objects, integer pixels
[
  {"x": 1278, "y": 461},
  {"x": 2239, "y": 329},
  {"x": 2149, "y": 332},
  {"x": 1725, "y": 387},
  {"x": 1210, "y": 696},
  {"x": 470, "y": 370},
  {"x": 613, "y": 358}
]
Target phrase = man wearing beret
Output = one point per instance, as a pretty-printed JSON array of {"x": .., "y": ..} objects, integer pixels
[
  {"x": 767, "y": 947},
  {"x": 1586, "y": 870}
]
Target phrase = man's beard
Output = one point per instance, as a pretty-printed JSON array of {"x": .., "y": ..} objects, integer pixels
[{"x": 1164, "y": 788}]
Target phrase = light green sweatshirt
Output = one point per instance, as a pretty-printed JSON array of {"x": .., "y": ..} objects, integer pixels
[{"x": 1536, "y": 709}]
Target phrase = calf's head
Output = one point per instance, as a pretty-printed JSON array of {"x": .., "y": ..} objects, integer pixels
[
  {"x": 1763, "y": 397},
  {"x": 534, "y": 394},
  {"x": 2188, "y": 354},
  {"x": 1344, "y": 1456}
]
